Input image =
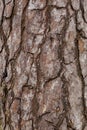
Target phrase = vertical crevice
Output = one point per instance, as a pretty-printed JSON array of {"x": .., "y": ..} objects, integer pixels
[{"x": 79, "y": 71}]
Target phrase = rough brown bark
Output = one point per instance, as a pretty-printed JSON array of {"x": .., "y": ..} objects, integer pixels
[{"x": 43, "y": 64}]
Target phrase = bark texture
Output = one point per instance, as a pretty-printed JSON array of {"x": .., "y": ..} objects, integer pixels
[{"x": 43, "y": 64}]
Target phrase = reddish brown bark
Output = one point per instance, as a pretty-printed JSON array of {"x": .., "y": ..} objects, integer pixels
[{"x": 43, "y": 65}]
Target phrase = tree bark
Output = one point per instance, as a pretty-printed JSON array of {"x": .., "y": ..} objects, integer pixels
[{"x": 43, "y": 64}]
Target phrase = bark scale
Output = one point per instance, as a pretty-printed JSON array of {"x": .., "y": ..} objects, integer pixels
[{"x": 43, "y": 64}]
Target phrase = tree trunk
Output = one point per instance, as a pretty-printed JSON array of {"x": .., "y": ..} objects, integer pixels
[{"x": 43, "y": 64}]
